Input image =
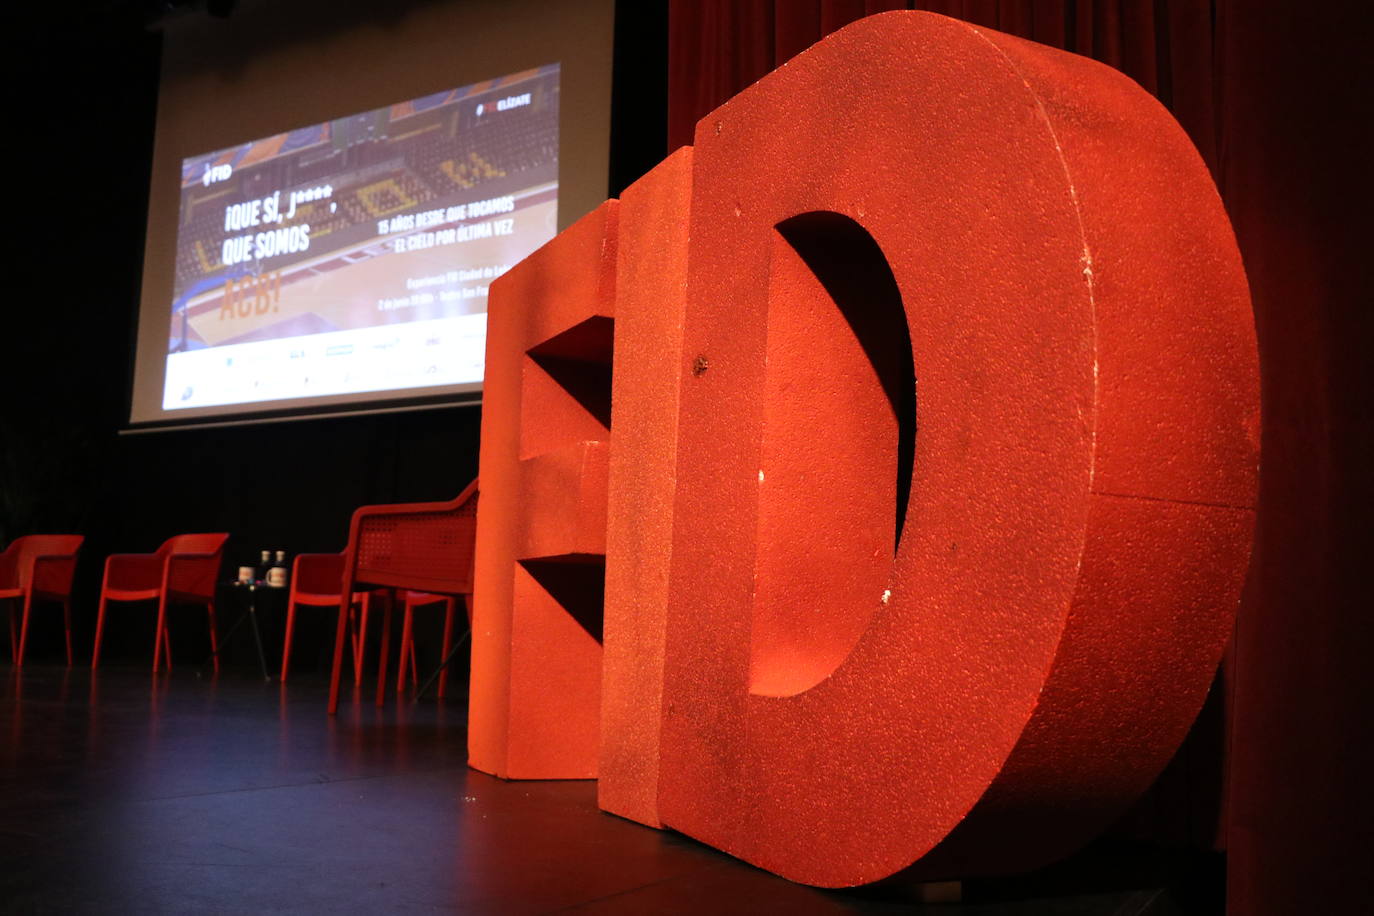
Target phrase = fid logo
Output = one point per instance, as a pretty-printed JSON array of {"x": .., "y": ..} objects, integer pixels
[{"x": 214, "y": 173}]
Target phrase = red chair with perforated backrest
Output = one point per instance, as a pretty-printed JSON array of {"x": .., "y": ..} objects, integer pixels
[
  {"x": 426, "y": 547},
  {"x": 183, "y": 570},
  {"x": 39, "y": 567},
  {"x": 315, "y": 581}
]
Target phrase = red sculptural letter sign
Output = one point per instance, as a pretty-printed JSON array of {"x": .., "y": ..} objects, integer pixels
[
  {"x": 651, "y": 277},
  {"x": 938, "y": 379},
  {"x": 541, "y": 531}
]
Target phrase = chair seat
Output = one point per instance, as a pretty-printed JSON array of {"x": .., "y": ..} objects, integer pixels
[
  {"x": 414, "y": 597},
  {"x": 144, "y": 594},
  {"x": 37, "y": 593},
  {"x": 132, "y": 594},
  {"x": 316, "y": 598}
]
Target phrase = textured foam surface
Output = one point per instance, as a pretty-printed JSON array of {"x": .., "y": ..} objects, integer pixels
[
  {"x": 987, "y": 692},
  {"x": 536, "y": 655},
  {"x": 651, "y": 280}
]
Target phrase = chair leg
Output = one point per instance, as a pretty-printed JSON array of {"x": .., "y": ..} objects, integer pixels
[
  {"x": 14, "y": 635},
  {"x": 160, "y": 634},
  {"x": 360, "y": 646},
  {"x": 386, "y": 648},
  {"x": 167, "y": 645},
  {"x": 450, "y": 607},
  {"x": 410, "y": 653},
  {"x": 286, "y": 640},
  {"x": 67, "y": 626},
  {"x": 214, "y": 638},
  {"x": 99, "y": 631},
  {"x": 24, "y": 629},
  {"x": 407, "y": 648},
  {"x": 353, "y": 633},
  {"x": 352, "y": 621},
  {"x": 340, "y": 636}
]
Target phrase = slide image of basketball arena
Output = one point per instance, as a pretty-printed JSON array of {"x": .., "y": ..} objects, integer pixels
[{"x": 355, "y": 255}]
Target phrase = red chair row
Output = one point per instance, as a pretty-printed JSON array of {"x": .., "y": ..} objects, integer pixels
[
  {"x": 40, "y": 567},
  {"x": 421, "y": 551}
]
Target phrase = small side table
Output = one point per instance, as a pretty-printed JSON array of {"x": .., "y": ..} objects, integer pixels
[{"x": 247, "y": 593}]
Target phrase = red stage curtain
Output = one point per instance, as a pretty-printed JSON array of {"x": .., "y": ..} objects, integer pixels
[
  {"x": 1271, "y": 94},
  {"x": 1295, "y": 161},
  {"x": 717, "y": 47}
]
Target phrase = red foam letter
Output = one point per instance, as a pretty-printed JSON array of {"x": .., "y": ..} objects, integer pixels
[
  {"x": 651, "y": 278},
  {"x": 541, "y": 528},
  {"x": 966, "y": 458}
]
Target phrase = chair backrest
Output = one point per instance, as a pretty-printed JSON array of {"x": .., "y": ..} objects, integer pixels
[
  {"x": 429, "y": 550},
  {"x": 192, "y": 543},
  {"x": 317, "y": 573},
  {"x": 30, "y": 546}
]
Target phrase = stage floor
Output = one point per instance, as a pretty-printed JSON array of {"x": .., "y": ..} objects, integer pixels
[{"x": 122, "y": 793}]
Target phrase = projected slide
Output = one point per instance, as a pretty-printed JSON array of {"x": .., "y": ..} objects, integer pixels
[{"x": 354, "y": 256}]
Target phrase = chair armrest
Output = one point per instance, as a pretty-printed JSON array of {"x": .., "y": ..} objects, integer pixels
[
  {"x": 132, "y": 571},
  {"x": 402, "y": 509},
  {"x": 469, "y": 494},
  {"x": 52, "y": 573}
]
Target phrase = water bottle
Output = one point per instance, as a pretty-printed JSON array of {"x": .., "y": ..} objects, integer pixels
[{"x": 276, "y": 576}]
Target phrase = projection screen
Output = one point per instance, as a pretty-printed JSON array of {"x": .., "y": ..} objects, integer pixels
[{"x": 332, "y": 195}]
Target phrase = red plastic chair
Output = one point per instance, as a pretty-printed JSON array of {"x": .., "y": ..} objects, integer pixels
[
  {"x": 315, "y": 581},
  {"x": 184, "y": 569},
  {"x": 425, "y": 547},
  {"x": 39, "y": 567}
]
